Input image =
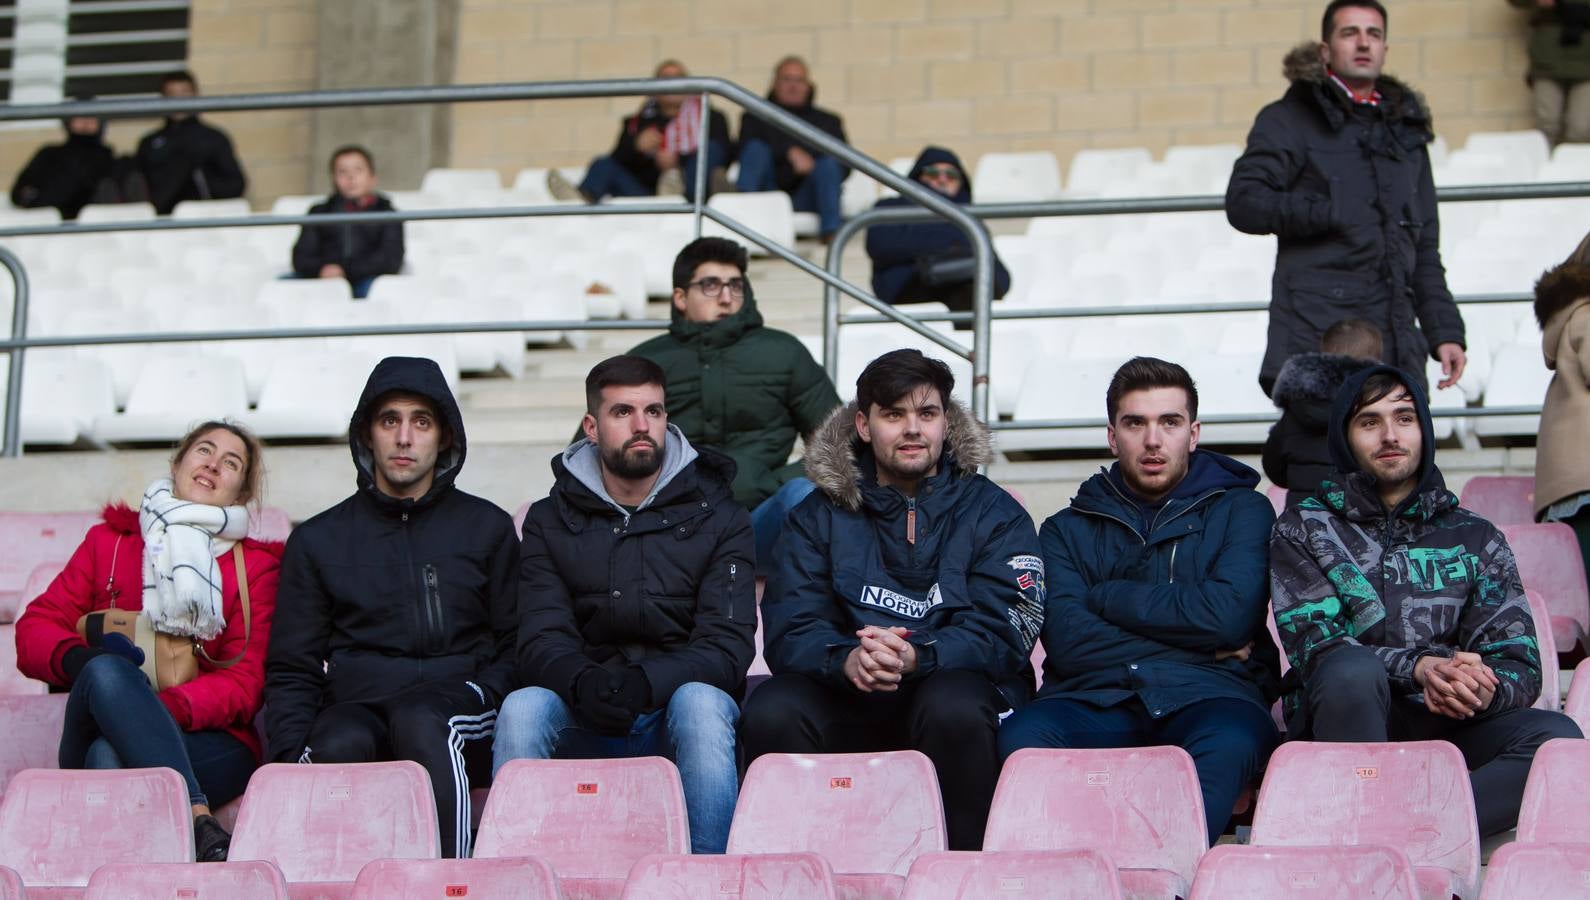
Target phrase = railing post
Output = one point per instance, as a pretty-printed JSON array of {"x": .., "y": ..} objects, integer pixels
[
  {"x": 12, "y": 447},
  {"x": 703, "y": 158}
]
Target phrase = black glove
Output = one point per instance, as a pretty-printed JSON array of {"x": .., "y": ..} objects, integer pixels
[
  {"x": 631, "y": 690},
  {"x": 597, "y": 703},
  {"x": 113, "y": 644},
  {"x": 73, "y": 661}
]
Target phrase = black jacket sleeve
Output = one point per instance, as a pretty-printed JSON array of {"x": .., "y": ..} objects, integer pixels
[
  {"x": 30, "y": 188},
  {"x": 1275, "y": 456},
  {"x": 502, "y": 594},
  {"x": 551, "y": 652},
  {"x": 381, "y": 251},
  {"x": 222, "y": 174},
  {"x": 295, "y": 666},
  {"x": 1260, "y": 198},
  {"x": 805, "y": 630},
  {"x": 624, "y": 150},
  {"x": 309, "y": 251}
]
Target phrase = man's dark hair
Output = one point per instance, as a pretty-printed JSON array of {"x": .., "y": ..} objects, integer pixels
[
  {"x": 345, "y": 150},
  {"x": 1328, "y": 21},
  {"x": 1144, "y": 372},
  {"x": 1352, "y": 337},
  {"x": 1374, "y": 389},
  {"x": 182, "y": 75},
  {"x": 621, "y": 371},
  {"x": 898, "y": 373},
  {"x": 707, "y": 250}
]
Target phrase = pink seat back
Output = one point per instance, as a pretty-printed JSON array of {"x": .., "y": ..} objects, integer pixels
[
  {"x": 1053, "y": 874},
  {"x": 13, "y": 682},
  {"x": 1142, "y": 806},
  {"x": 323, "y": 822},
  {"x": 1550, "y": 684},
  {"x": 32, "y": 729},
  {"x": 1549, "y": 562},
  {"x": 189, "y": 881},
  {"x": 57, "y": 827},
  {"x": 1305, "y": 873},
  {"x": 770, "y": 876},
  {"x": 509, "y": 878},
  {"x": 11, "y": 885},
  {"x": 1277, "y": 497},
  {"x": 863, "y": 812},
  {"x": 589, "y": 818},
  {"x": 1578, "y": 704},
  {"x": 270, "y": 523},
  {"x": 1553, "y": 807},
  {"x": 1413, "y": 796},
  {"x": 519, "y": 517},
  {"x": 1521, "y": 871},
  {"x": 1500, "y": 499},
  {"x": 30, "y": 539}
]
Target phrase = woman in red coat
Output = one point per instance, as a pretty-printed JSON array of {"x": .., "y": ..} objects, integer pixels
[{"x": 172, "y": 559}]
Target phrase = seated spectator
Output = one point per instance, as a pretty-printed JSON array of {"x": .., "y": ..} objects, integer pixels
[
  {"x": 1296, "y": 455},
  {"x": 657, "y": 151},
  {"x": 185, "y": 159},
  {"x": 398, "y": 605},
  {"x": 1559, "y": 68},
  {"x": 738, "y": 387},
  {"x": 771, "y": 159},
  {"x": 70, "y": 175},
  {"x": 929, "y": 262},
  {"x": 905, "y": 594},
  {"x": 1156, "y": 573},
  {"x": 179, "y": 559},
  {"x": 358, "y": 253},
  {"x": 1562, "y": 470},
  {"x": 1402, "y": 613},
  {"x": 637, "y": 606}
]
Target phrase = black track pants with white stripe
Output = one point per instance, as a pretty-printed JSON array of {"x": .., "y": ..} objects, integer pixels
[{"x": 437, "y": 725}]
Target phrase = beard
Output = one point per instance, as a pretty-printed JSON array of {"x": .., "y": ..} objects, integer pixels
[
  {"x": 625, "y": 464},
  {"x": 908, "y": 469}
]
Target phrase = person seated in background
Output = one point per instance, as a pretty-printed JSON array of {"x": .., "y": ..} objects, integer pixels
[
  {"x": 1296, "y": 454},
  {"x": 657, "y": 151},
  {"x": 1157, "y": 575},
  {"x": 637, "y": 605},
  {"x": 904, "y": 596},
  {"x": 178, "y": 562},
  {"x": 771, "y": 159},
  {"x": 1401, "y": 612},
  {"x": 1559, "y": 68},
  {"x": 929, "y": 262},
  {"x": 357, "y": 253},
  {"x": 185, "y": 159},
  {"x": 69, "y": 175},
  {"x": 737, "y": 386},
  {"x": 1562, "y": 467}
]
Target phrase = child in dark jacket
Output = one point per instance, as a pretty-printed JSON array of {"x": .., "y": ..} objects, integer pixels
[
  {"x": 1296, "y": 456},
  {"x": 358, "y": 253}
]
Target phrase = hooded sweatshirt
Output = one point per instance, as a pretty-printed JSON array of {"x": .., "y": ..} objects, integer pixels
[
  {"x": 668, "y": 587},
  {"x": 187, "y": 159},
  {"x": 1426, "y": 578},
  {"x": 67, "y": 176},
  {"x": 896, "y": 249},
  {"x": 1295, "y": 455},
  {"x": 380, "y": 594}
]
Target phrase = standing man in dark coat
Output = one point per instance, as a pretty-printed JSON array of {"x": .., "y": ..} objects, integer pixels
[
  {"x": 187, "y": 159},
  {"x": 1339, "y": 172},
  {"x": 771, "y": 159},
  {"x": 69, "y": 175}
]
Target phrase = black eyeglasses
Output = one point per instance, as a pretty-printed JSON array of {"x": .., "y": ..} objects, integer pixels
[
  {"x": 941, "y": 172},
  {"x": 712, "y": 287}
]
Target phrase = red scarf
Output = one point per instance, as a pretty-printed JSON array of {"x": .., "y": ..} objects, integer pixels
[{"x": 1373, "y": 98}]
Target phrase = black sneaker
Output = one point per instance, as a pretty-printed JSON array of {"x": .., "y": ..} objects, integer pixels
[{"x": 210, "y": 841}]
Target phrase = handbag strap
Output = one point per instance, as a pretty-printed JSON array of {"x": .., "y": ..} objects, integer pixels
[{"x": 248, "y": 625}]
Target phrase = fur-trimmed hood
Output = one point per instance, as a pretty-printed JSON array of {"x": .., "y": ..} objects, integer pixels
[
  {"x": 832, "y": 461},
  {"x": 1307, "y": 383},
  {"x": 1302, "y": 66},
  {"x": 1558, "y": 289}
]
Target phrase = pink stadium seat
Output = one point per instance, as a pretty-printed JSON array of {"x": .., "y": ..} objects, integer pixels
[
  {"x": 11, "y": 885},
  {"x": 1413, "y": 796},
  {"x": 32, "y": 730},
  {"x": 868, "y": 886},
  {"x": 1550, "y": 682},
  {"x": 592, "y": 819},
  {"x": 509, "y": 878},
  {"x": 519, "y": 517},
  {"x": 867, "y": 813},
  {"x": 1553, "y": 807},
  {"x": 1277, "y": 495},
  {"x": 771, "y": 876},
  {"x": 1051, "y": 874},
  {"x": 1502, "y": 499},
  {"x": 1549, "y": 562},
  {"x": 57, "y": 826},
  {"x": 320, "y": 823},
  {"x": 1522, "y": 871},
  {"x": 1363, "y": 872},
  {"x": 188, "y": 881},
  {"x": 1142, "y": 806},
  {"x": 1578, "y": 705},
  {"x": 270, "y": 523},
  {"x": 31, "y": 539},
  {"x": 13, "y": 682}
]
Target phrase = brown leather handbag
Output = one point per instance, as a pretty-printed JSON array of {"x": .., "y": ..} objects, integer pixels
[{"x": 169, "y": 660}]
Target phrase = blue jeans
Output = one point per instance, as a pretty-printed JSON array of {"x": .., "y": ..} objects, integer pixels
[
  {"x": 1228, "y": 739},
  {"x": 607, "y": 177},
  {"x": 818, "y": 192},
  {"x": 114, "y": 720},
  {"x": 695, "y": 730},
  {"x": 767, "y": 520}
]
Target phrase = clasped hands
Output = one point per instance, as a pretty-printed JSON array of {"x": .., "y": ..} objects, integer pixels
[
  {"x": 1458, "y": 688},
  {"x": 882, "y": 660}
]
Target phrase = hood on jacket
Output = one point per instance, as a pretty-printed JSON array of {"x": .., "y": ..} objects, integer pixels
[
  {"x": 934, "y": 156},
  {"x": 582, "y": 460},
  {"x": 1302, "y": 65},
  {"x": 411, "y": 375},
  {"x": 833, "y": 455},
  {"x": 1342, "y": 452},
  {"x": 1557, "y": 290},
  {"x": 1307, "y": 383},
  {"x": 723, "y": 331}
]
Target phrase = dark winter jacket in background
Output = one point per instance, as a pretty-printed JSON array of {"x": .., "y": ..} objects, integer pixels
[
  {"x": 1347, "y": 191},
  {"x": 669, "y": 588},
  {"x": 1296, "y": 455},
  {"x": 188, "y": 160},
  {"x": 67, "y": 176},
  {"x": 363, "y": 251},
  {"x": 1549, "y": 57},
  {"x": 777, "y": 140},
  {"x": 644, "y": 167},
  {"x": 897, "y": 249},
  {"x": 380, "y": 594}
]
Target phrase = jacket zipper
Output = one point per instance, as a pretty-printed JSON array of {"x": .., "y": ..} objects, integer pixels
[
  {"x": 733, "y": 568},
  {"x": 910, "y": 526},
  {"x": 433, "y": 606},
  {"x": 427, "y": 638},
  {"x": 1173, "y": 545}
]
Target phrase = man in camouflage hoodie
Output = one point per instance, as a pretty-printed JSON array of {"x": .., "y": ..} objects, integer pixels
[{"x": 1402, "y": 613}]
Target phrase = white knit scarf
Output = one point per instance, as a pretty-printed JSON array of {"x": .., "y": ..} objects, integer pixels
[{"x": 182, "y": 581}]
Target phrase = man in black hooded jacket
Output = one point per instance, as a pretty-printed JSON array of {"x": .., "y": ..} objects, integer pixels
[
  {"x": 69, "y": 175},
  {"x": 396, "y": 613}
]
